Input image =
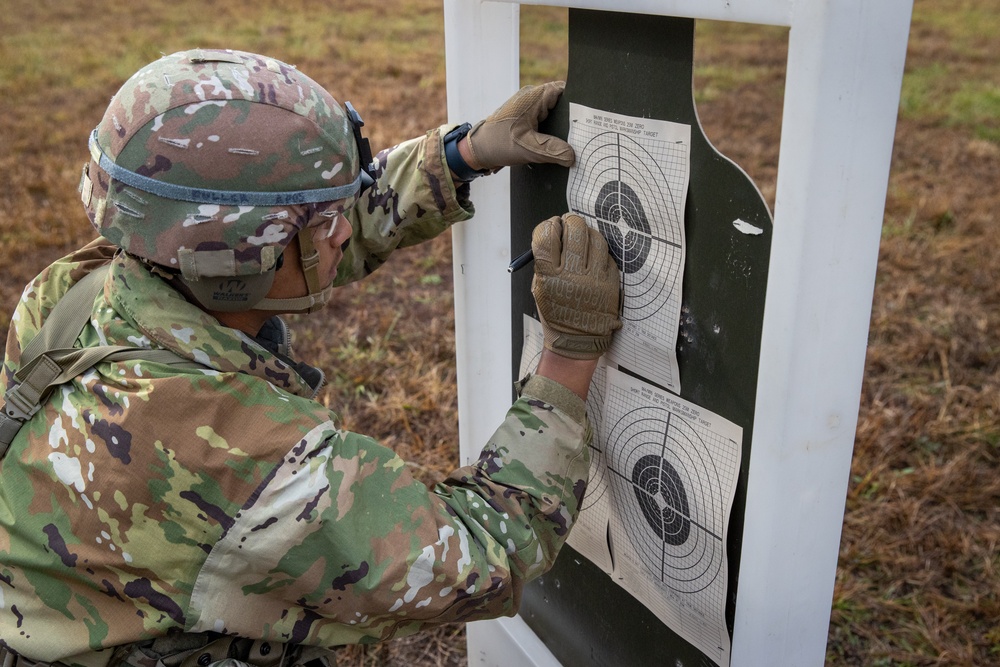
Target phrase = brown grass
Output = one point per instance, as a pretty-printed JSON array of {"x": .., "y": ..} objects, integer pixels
[{"x": 917, "y": 582}]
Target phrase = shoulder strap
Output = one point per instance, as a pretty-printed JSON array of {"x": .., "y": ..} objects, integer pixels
[
  {"x": 68, "y": 311},
  {"x": 50, "y": 358}
]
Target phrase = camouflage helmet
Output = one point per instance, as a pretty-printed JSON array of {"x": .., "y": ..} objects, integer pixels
[{"x": 209, "y": 162}]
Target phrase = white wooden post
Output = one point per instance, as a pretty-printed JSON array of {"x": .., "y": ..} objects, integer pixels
[
  {"x": 845, "y": 66},
  {"x": 482, "y": 46}
]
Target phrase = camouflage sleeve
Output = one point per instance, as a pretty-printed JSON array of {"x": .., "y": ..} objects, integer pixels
[
  {"x": 533, "y": 473},
  {"x": 368, "y": 552},
  {"x": 413, "y": 200}
]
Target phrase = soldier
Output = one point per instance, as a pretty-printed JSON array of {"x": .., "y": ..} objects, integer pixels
[{"x": 172, "y": 494}]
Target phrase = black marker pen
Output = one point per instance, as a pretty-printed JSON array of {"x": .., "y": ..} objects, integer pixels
[{"x": 521, "y": 261}]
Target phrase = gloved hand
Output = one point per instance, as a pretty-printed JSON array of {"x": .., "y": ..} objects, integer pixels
[
  {"x": 577, "y": 287},
  {"x": 510, "y": 135}
]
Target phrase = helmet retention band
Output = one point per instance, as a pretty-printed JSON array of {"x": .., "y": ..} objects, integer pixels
[
  {"x": 318, "y": 295},
  {"x": 222, "y": 197}
]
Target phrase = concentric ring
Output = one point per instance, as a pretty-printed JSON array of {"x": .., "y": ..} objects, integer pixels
[
  {"x": 621, "y": 218},
  {"x": 661, "y": 496},
  {"x": 624, "y": 192},
  {"x": 666, "y": 487}
]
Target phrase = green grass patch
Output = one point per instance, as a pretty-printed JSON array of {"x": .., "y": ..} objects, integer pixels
[
  {"x": 924, "y": 95},
  {"x": 976, "y": 104},
  {"x": 544, "y": 36},
  {"x": 47, "y": 55},
  {"x": 970, "y": 26},
  {"x": 948, "y": 88},
  {"x": 936, "y": 93},
  {"x": 715, "y": 80}
]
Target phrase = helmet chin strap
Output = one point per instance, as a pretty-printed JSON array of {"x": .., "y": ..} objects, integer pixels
[{"x": 318, "y": 295}]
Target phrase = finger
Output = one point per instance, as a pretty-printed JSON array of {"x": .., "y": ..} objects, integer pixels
[
  {"x": 546, "y": 245},
  {"x": 575, "y": 243},
  {"x": 537, "y": 101},
  {"x": 599, "y": 255},
  {"x": 519, "y": 105},
  {"x": 546, "y": 148},
  {"x": 551, "y": 92},
  {"x": 551, "y": 149}
]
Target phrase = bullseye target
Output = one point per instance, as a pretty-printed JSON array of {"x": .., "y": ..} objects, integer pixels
[
  {"x": 662, "y": 499},
  {"x": 622, "y": 189},
  {"x": 622, "y": 220},
  {"x": 667, "y": 488}
]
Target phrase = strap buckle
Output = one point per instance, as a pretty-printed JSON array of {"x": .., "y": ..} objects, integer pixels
[
  {"x": 15, "y": 412},
  {"x": 309, "y": 261},
  {"x": 19, "y": 407},
  {"x": 23, "y": 400},
  {"x": 7, "y": 657}
]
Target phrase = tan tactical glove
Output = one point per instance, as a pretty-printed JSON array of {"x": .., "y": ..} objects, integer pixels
[
  {"x": 577, "y": 287},
  {"x": 510, "y": 134}
]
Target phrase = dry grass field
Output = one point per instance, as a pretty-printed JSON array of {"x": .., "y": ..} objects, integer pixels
[{"x": 919, "y": 576}]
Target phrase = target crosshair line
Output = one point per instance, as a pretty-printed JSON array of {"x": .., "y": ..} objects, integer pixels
[
  {"x": 662, "y": 466},
  {"x": 622, "y": 168}
]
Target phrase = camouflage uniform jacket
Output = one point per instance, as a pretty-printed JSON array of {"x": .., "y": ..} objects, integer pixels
[{"x": 144, "y": 500}]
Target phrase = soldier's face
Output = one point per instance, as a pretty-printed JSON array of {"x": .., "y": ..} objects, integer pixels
[
  {"x": 328, "y": 240},
  {"x": 330, "y": 244}
]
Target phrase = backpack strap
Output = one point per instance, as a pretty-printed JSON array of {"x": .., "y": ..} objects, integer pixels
[{"x": 50, "y": 358}]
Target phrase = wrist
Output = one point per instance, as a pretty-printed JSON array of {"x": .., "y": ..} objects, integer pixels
[
  {"x": 465, "y": 152},
  {"x": 555, "y": 394},
  {"x": 458, "y": 154},
  {"x": 574, "y": 374}
]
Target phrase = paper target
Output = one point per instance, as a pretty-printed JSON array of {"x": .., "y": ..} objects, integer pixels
[
  {"x": 667, "y": 485},
  {"x": 622, "y": 188},
  {"x": 673, "y": 468},
  {"x": 630, "y": 183}
]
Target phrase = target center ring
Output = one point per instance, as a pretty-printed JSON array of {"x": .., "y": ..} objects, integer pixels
[
  {"x": 662, "y": 499},
  {"x": 623, "y": 222}
]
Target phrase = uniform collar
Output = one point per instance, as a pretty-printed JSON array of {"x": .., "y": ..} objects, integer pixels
[{"x": 164, "y": 316}]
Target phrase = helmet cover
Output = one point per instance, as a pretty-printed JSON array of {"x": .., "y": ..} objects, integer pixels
[{"x": 209, "y": 162}]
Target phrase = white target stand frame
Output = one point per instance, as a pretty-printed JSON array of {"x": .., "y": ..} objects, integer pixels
[{"x": 844, "y": 70}]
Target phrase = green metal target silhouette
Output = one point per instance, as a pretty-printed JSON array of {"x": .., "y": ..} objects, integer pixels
[{"x": 641, "y": 65}]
